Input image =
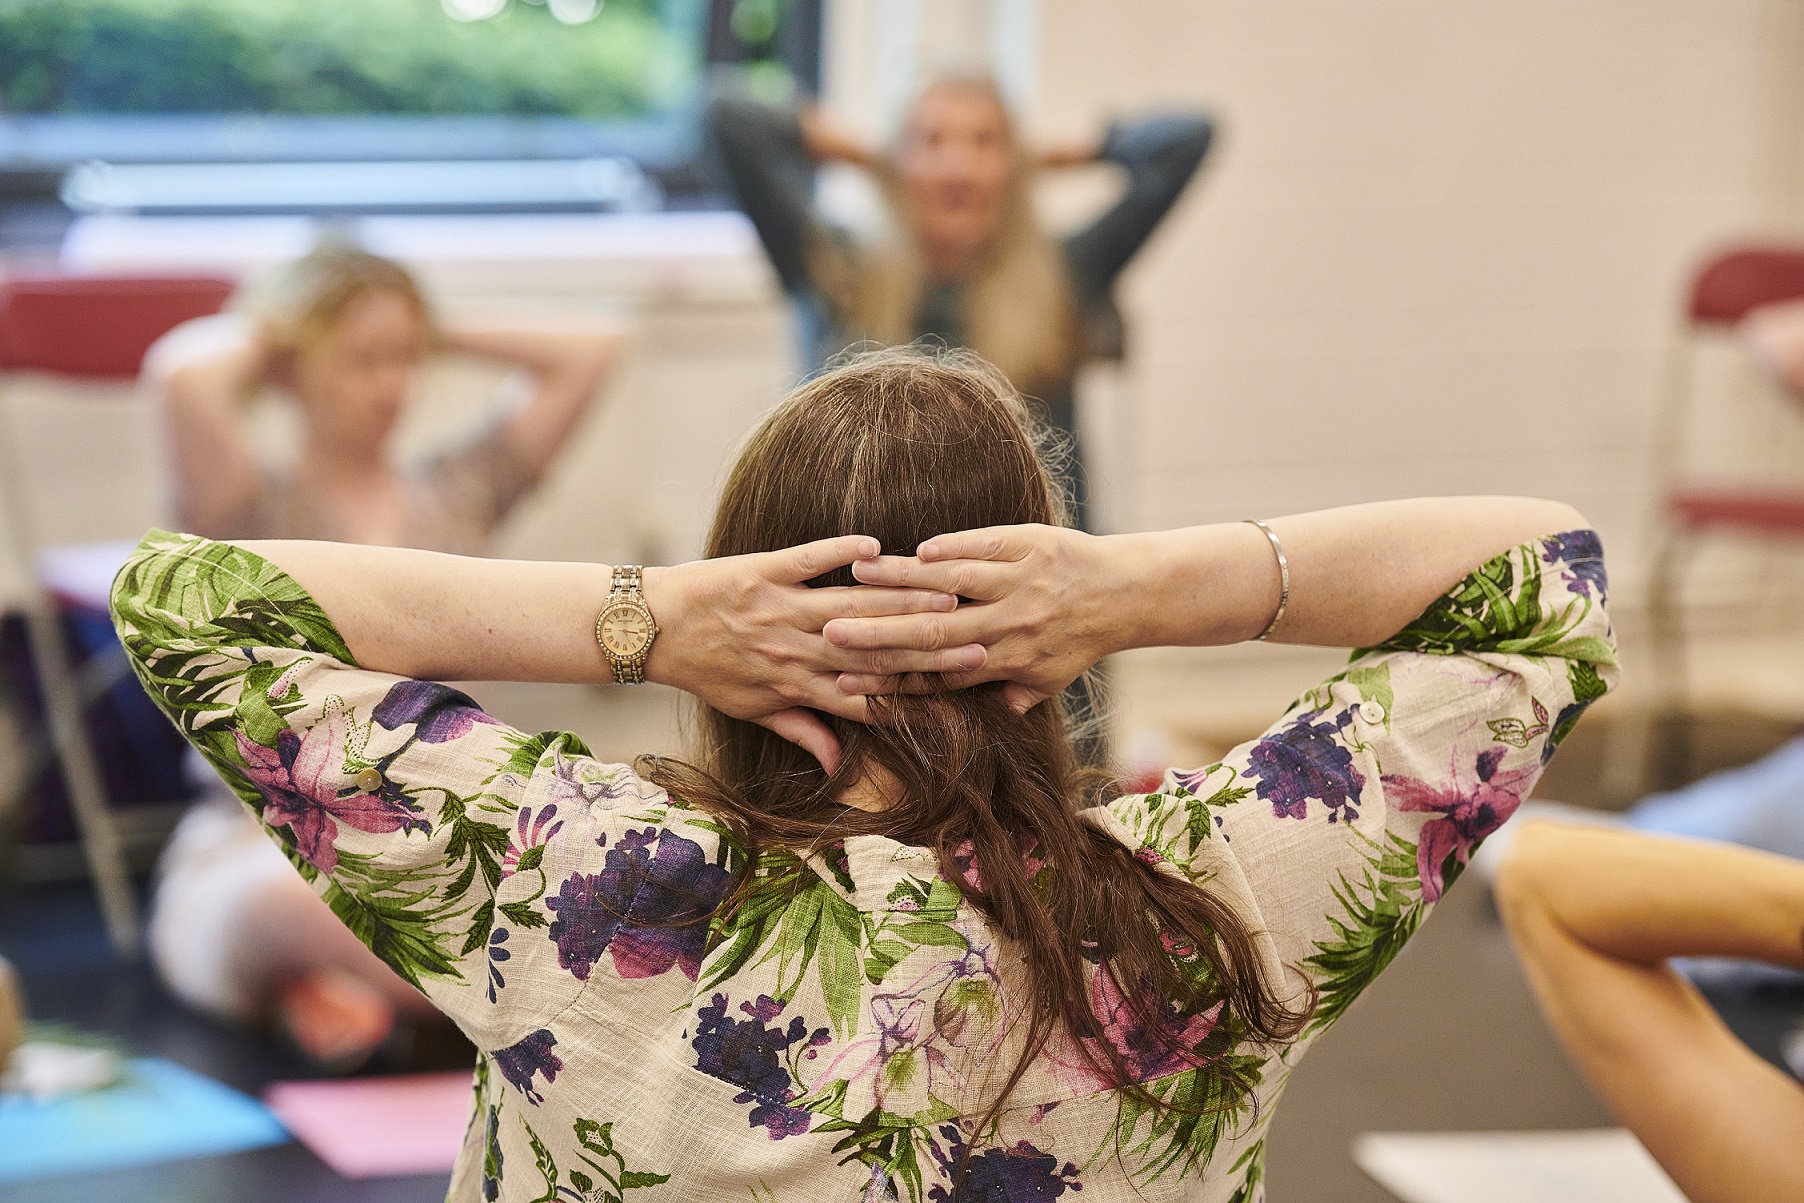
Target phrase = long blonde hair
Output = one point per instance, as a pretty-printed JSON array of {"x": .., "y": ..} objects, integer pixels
[{"x": 1020, "y": 314}]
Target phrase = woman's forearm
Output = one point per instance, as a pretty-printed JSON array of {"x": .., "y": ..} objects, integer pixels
[
  {"x": 214, "y": 474},
  {"x": 423, "y": 614},
  {"x": 1593, "y": 914},
  {"x": 1358, "y": 574},
  {"x": 1644, "y": 898},
  {"x": 829, "y": 143},
  {"x": 569, "y": 365}
]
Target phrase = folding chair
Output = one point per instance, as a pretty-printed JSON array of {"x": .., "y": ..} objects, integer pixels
[
  {"x": 1725, "y": 289},
  {"x": 96, "y": 329}
]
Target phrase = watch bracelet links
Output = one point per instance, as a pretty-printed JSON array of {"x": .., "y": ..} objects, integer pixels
[{"x": 627, "y": 579}]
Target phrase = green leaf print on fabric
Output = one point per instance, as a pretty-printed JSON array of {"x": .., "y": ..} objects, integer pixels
[
  {"x": 893, "y": 1147},
  {"x": 1180, "y": 1140},
  {"x": 1587, "y": 687},
  {"x": 1517, "y": 733},
  {"x": 1174, "y": 824},
  {"x": 395, "y": 926},
  {"x": 597, "y": 1142},
  {"x": 1497, "y": 608},
  {"x": 794, "y": 917},
  {"x": 1380, "y": 912},
  {"x": 1253, "y": 1161},
  {"x": 251, "y": 605},
  {"x": 1499, "y": 600}
]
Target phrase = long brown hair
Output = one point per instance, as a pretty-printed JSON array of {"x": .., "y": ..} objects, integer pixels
[
  {"x": 903, "y": 445},
  {"x": 1019, "y": 310}
]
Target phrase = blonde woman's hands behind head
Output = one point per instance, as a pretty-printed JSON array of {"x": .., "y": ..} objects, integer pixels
[
  {"x": 1046, "y": 603},
  {"x": 743, "y": 634}
]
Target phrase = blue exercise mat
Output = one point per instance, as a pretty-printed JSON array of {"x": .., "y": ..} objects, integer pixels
[{"x": 159, "y": 1112}]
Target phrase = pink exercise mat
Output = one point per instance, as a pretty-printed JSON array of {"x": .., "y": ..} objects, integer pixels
[{"x": 378, "y": 1127}]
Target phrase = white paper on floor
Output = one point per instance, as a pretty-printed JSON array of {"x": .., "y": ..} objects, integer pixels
[{"x": 1605, "y": 1165}]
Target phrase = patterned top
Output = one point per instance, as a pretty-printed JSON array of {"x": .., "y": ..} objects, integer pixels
[{"x": 833, "y": 1041}]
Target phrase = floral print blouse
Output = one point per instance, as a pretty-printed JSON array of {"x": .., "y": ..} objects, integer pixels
[{"x": 835, "y": 1039}]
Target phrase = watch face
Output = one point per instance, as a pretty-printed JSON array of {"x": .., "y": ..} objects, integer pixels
[{"x": 625, "y": 630}]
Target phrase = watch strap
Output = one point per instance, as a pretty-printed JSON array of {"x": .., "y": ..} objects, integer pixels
[{"x": 626, "y": 584}]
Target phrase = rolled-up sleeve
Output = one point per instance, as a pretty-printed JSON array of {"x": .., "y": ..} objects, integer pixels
[
  {"x": 1339, "y": 828},
  {"x": 760, "y": 148},
  {"x": 441, "y": 837}
]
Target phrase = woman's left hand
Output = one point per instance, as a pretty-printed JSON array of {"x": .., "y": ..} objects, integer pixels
[{"x": 743, "y": 634}]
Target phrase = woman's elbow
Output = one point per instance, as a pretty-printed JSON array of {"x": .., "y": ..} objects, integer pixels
[{"x": 1534, "y": 853}]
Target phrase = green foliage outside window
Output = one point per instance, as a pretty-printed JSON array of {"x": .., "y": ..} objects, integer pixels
[{"x": 401, "y": 57}]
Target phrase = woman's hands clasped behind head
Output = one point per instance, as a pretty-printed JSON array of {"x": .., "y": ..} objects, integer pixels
[
  {"x": 745, "y": 637},
  {"x": 1040, "y": 600}
]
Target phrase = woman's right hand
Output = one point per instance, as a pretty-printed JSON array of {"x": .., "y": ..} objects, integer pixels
[{"x": 1046, "y": 601}]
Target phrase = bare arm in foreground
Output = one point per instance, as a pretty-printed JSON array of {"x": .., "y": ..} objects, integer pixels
[{"x": 1595, "y": 914}]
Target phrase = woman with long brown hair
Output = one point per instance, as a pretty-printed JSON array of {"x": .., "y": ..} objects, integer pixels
[
  {"x": 964, "y": 259},
  {"x": 880, "y": 937}
]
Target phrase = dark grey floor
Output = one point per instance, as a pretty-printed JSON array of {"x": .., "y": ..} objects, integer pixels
[{"x": 54, "y": 937}]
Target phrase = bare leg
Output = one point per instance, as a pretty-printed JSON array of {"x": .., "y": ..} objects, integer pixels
[{"x": 308, "y": 974}]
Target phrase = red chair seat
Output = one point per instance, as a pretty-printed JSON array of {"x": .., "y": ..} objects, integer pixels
[
  {"x": 97, "y": 326},
  {"x": 1752, "y": 511}
]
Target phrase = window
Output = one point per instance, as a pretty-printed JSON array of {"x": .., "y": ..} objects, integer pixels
[{"x": 473, "y": 103}]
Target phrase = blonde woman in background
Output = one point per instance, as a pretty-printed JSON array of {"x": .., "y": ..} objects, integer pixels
[
  {"x": 966, "y": 261},
  {"x": 341, "y": 334}
]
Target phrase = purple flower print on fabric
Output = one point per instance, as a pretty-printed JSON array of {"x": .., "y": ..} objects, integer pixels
[
  {"x": 748, "y": 1053},
  {"x": 1580, "y": 555},
  {"x": 498, "y": 956},
  {"x": 526, "y": 847},
  {"x": 518, "y": 1062},
  {"x": 1019, "y": 1173},
  {"x": 306, "y": 790},
  {"x": 438, "y": 713},
  {"x": 1304, "y": 761},
  {"x": 648, "y": 908},
  {"x": 1468, "y": 813}
]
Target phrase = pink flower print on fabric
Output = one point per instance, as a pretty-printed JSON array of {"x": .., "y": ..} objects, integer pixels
[
  {"x": 1467, "y": 814},
  {"x": 532, "y": 831},
  {"x": 967, "y": 868},
  {"x": 306, "y": 790},
  {"x": 1164, "y": 1046}
]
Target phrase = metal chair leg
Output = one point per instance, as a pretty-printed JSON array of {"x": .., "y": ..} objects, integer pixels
[
  {"x": 81, "y": 776},
  {"x": 1669, "y": 665},
  {"x": 66, "y": 715}
]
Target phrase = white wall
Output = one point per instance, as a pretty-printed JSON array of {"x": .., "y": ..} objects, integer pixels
[{"x": 1439, "y": 245}]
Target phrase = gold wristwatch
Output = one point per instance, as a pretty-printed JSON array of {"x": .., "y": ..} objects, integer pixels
[{"x": 625, "y": 628}]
